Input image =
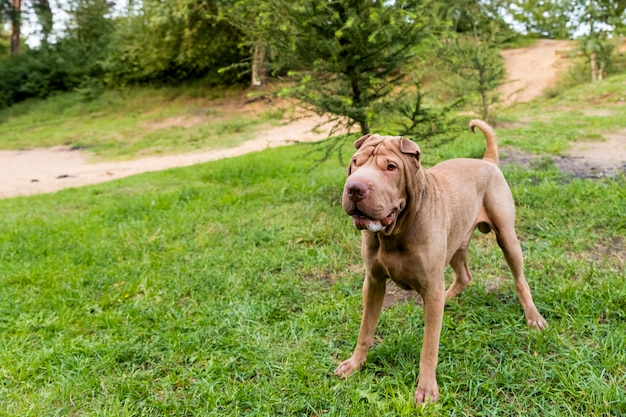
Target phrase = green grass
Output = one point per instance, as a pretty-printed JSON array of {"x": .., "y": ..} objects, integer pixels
[
  {"x": 233, "y": 288},
  {"x": 133, "y": 122}
]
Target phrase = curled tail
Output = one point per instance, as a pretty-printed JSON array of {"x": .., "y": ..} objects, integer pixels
[{"x": 491, "y": 153}]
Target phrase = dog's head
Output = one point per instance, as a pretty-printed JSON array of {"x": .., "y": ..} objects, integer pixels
[{"x": 380, "y": 181}]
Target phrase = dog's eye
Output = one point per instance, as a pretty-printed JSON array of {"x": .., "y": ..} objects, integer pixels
[{"x": 391, "y": 167}]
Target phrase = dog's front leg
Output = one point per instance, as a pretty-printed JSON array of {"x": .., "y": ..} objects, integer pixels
[
  {"x": 434, "y": 301},
  {"x": 373, "y": 296}
]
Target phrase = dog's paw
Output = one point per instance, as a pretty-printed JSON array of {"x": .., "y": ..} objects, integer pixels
[
  {"x": 426, "y": 391},
  {"x": 348, "y": 367},
  {"x": 537, "y": 322}
]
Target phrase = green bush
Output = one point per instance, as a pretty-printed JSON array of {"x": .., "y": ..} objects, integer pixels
[{"x": 35, "y": 73}]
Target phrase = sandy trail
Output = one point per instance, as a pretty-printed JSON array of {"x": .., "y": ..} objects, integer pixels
[{"x": 44, "y": 170}]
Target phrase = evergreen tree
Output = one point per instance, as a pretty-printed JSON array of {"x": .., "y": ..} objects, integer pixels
[
  {"x": 473, "y": 56},
  {"x": 343, "y": 55}
]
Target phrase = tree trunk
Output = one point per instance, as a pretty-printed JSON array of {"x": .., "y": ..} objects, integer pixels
[
  {"x": 592, "y": 57},
  {"x": 16, "y": 17},
  {"x": 260, "y": 60},
  {"x": 594, "y": 67},
  {"x": 365, "y": 129},
  {"x": 361, "y": 118}
]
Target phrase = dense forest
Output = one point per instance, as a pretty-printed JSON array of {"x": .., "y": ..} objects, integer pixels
[{"x": 344, "y": 57}]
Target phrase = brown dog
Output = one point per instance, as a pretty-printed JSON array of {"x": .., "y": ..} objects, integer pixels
[{"x": 414, "y": 222}]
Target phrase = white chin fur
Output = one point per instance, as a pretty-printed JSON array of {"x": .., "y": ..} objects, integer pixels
[{"x": 375, "y": 227}]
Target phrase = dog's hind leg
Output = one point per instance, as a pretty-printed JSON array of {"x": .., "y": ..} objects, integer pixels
[
  {"x": 462, "y": 274},
  {"x": 508, "y": 242}
]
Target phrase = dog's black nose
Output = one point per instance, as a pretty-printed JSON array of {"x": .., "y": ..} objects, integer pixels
[{"x": 356, "y": 190}]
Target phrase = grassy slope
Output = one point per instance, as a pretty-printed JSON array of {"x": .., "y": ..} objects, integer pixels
[
  {"x": 233, "y": 288},
  {"x": 129, "y": 122}
]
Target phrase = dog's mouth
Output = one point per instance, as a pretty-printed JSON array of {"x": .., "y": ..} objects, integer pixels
[{"x": 361, "y": 221}]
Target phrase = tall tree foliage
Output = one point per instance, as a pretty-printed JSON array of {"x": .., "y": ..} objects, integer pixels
[
  {"x": 344, "y": 56},
  {"x": 355, "y": 59},
  {"x": 43, "y": 11},
  {"x": 155, "y": 41},
  {"x": 467, "y": 15},
  {"x": 540, "y": 18},
  {"x": 174, "y": 41},
  {"x": 12, "y": 12},
  {"x": 75, "y": 59},
  {"x": 89, "y": 33}
]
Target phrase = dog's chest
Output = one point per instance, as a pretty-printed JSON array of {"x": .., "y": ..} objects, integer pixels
[{"x": 396, "y": 265}]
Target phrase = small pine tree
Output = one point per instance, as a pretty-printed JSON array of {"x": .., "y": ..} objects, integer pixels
[
  {"x": 346, "y": 55},
  {"x": 473, "y": 57},
  {"x": 478, "y": 71}
]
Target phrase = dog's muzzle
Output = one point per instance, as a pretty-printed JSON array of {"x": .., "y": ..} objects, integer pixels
[{"x": 355, "y": 206}]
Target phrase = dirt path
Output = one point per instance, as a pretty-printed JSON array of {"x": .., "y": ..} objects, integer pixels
[
  {"x": 530, "y": 71},
  {"x": 43, "y": 170}
]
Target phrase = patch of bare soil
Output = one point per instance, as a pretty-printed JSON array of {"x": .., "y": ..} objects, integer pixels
[
  {"x": 597, "y": 158},
  {"x": 594, "y": 159},
  {"x": 177, "y": 121},
  {"x": 613, "y": 249},
  {"x": 395, "y": 295}
]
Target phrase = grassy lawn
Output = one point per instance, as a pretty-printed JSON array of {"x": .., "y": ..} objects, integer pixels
[{"x": 233, "y": 288}]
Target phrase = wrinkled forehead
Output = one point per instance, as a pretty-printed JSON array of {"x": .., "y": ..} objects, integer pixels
[{"x": 377, "y": 145}]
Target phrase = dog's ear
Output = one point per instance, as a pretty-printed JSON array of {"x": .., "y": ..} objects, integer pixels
[
  {"x": 360, "y": 141},
  {"x": 409, "y": 147}
]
